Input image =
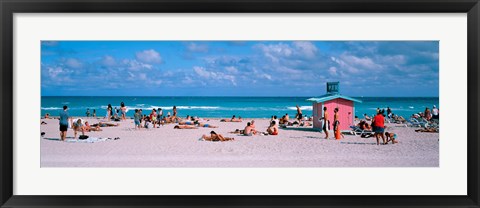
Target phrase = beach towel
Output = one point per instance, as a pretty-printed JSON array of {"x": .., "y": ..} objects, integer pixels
[{"x": 88, "y": 140}]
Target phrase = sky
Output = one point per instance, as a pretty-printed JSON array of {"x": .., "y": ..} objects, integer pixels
[{"x": 239, "y": 68}]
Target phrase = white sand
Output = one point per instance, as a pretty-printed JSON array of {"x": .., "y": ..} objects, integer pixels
[{"x": 168, "y": 147}]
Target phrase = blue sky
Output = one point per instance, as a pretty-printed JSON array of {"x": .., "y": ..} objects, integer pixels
[{"x": 239, "y": 68}]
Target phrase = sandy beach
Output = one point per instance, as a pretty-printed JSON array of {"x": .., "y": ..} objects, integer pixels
[{"x": 168, "y": 147}]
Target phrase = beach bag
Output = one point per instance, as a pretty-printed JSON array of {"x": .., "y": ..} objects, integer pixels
[{"x": 83, "y": 137}]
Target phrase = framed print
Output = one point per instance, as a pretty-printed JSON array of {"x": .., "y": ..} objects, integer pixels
[{"x": 214, "y": 103}]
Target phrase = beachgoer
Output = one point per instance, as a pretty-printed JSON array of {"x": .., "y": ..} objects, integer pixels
[
  {"x": 78, "y": 125},
  {"x": 391, "y": 137},
  {"x": 389, "y": 112},
  {"x": 428, "y": 114},
  {"x": 109, "y": 112},
  {"x": 175, "y": 111},
  {"x": 94, "y": 113},
  {"x": 88, "y": 112},
  {"x": 366, "y": 117},
  {"x": 47, "y": 116},
  {"x": 299, "y": 114},
  {"x": 89, "y": 128},
  {"x": 249, "y": 131},
  {"x": 115, "y": 112},
  {"x": 205, "y": 125},
  {"x": 435, "y": 113},
  {"x": 153, "y": 117},
  {"x": 273, "y": 129},
  {"x": 123, "y": 108},
  {"x": 216, "y": 137},
  {"x": 276, "y": 121},
  {"x": 336, "y": 125},
  {"x": 326, "y": 122},
  {"x": 252, "y": 124},
  {"x": 186, "y": 122},
  {"x": 379, "y": 127},
  {"x": 137, "y": 118},
  {"x": 103, "y": 124},
  {"x": 159, "y": 116},
  {"x": 184, "y": 127},
  {"x": 64, "y": 117}
]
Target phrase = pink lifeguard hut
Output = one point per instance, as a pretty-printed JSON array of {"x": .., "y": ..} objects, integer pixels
[{"x": 333, "y": 99}]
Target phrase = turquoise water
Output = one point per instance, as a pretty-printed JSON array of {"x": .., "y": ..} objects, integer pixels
[{"x": 219, "y": 107}]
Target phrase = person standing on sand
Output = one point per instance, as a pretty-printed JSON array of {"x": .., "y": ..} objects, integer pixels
[
  {"x": 379, "y": 127},
  {"x": 109, "y": 112},
  {"x": 123, "y": 108},
  {"x": 160, "y": 116},
  {"x": 326, "y": 122},
  {"x": 336, "y": 125},
  {"x": 94, "y": 113},
  {"x": 299, "y": 114},
  {"x": 435, "y": 113},
  {"x": 64, "y": 123},
  {"x": 175, "y": 111},
  {"x": 153, "y": 117},
  {"x": 136, "y": 118}
]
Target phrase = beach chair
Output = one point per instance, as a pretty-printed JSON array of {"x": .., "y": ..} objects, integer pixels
[
  {"x": 416, "y": 123},
  {"x": 358, "y": 131}
]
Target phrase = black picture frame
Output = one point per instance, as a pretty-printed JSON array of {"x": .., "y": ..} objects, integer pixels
[{"x": 10, "y": 7}]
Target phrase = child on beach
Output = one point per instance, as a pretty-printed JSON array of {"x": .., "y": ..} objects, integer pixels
[
  {"x": 137, "y": 118},
  {"x": 124, "y": 111},
  {"x": 391, "y": 137}
]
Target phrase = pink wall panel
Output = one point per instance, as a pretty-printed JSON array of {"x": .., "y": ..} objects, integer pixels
[{"x": 345, "y": 108}]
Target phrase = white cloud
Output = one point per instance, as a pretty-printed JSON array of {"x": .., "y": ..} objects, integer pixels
[
  {"x": 134, "y": 65},
  {"x": 198, "y": 48},
  {"x": 149, "y": 56},
  {"x": 210, "y": 75},
  {"x": 109, "y": 61},
  {"x": 305, "y": 48},
  {"x": 332, "y": 70},
  {"x": 73, "y": 63},
  {"x": 231, "y": 69}
]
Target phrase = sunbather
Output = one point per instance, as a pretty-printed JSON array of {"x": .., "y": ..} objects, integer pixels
[
  {"x": 205, "y": 125},
  {"x": 428, "y": 129},
  {"x": 272, "y": 129},
  {"x": 249, "y": 131},
  {"x": 103, "y": 124},
  {"x": 78, "y": 125},
  {"x": 184, "y": 127},
  {"x": 216, "y": 137},
  {"x": 89, "y": 128}
]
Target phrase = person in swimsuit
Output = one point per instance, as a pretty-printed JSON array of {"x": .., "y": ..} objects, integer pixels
[
  {"x": 249, "y": 131},
  {"x": 273, "y": 129},
  {"x": 184, "y": 127},
  {"x": 326, "y": 122},
  {"x": 153, "y": 117},
  {"x": 336, "y": 125},
  {"x": 109, "y": 112},
  {"x": 216, "y": 137},
  {"x": 78, "y": 126},
  {"x": 299, "y": 114},
  {"x": 205, "y": 125},
  {"x": 391, "y": 137},
  {"x": 186, "y": 123},
  {"x": 89, "y": 128},
  {"x": 123, "y": 110}
]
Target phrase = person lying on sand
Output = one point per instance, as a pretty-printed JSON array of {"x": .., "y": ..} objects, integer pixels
[
  {"x": 188, "y": 122},
  {"x": 391, "y": 137},
  {"x": 89, "y": 128},
  {"x": 233, "y": 119},
  {"x": 184, "y": 127},
  {"x": 216, "y": 137},
  {"x": 427, "y": 129},
  {"x": 103, "y": 124},
  {"x": 237, "y": 131},
  {"x": 205, "y": 125}
]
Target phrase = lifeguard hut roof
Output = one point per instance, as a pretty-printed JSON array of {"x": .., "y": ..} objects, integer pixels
[{"x": 328, "y": 97}]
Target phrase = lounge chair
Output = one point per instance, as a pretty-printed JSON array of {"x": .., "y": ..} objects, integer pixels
[
  {"x": 358, "y": 131},
  {"x": 417, "y": 123}
]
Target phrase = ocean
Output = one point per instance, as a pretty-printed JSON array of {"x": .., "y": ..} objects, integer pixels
[{"x": 225, "y": 107}]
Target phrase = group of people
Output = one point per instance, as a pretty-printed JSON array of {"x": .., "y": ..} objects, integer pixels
[
  {"x": 78, "y": 125},
  {"x": 251, "y": 130}
]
